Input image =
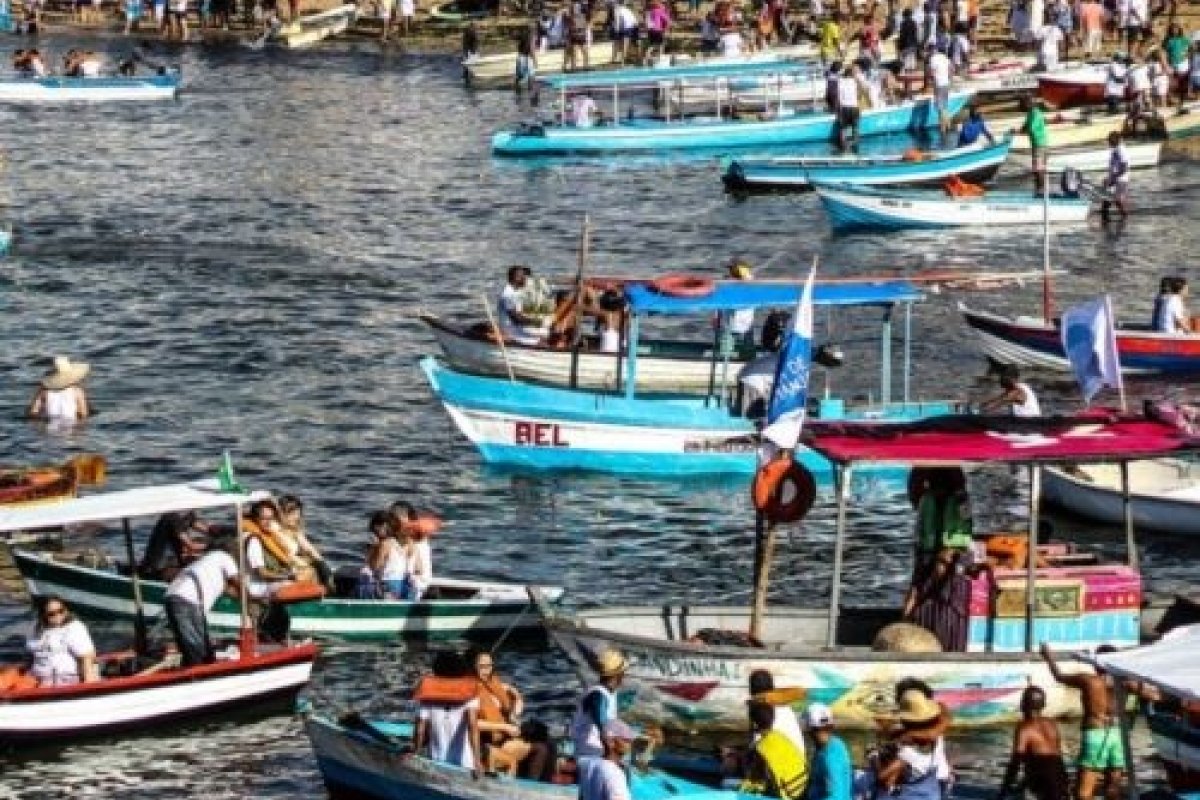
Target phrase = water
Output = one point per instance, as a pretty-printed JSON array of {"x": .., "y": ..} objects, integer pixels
[{"x": 244, "y": 267}]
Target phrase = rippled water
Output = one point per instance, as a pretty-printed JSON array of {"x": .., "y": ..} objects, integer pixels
[{"x": 243, "y": 268}]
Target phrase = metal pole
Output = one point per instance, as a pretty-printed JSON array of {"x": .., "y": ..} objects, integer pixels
[
  {"x": 835, "y": 590},
  {"x": 1035, "y": 502},
  {"x": 139, "y": 620},
  {"x": 577, "y": 333},
  {"x": 1047, "y": 296},
  {"x": 246, "y": 631},
  {"x": 1123, "y": 725},
  {"x": 885, "y": 358},
  {"x": 907, "y": 351},
  {"x": 1120, "y": 378},
  {"x": 631, "y": 357},
  {"x": 1127, "y": 511}
]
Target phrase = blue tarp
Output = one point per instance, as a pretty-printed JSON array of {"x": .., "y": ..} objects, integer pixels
[
  {"x": 731, "y": 295},
  {"x": 653, "y": 76}
]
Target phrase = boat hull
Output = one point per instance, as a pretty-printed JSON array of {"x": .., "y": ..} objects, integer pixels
[
  {"x": 102, "y": 594},
  {"x": 682, "y": 685},
  {"x": 652, "y": 135},
  {"x": 1029, "y": 342},
  {"x": 42, "y": 717},
  {"x": 72, "y": 90},
  {"x": 547, "y": 428},
  {"x": 315, "y": 28},
  {"x": 1081, "y": 87},
  {"x": 973, "y": 164},
  {"x": 850, "y": 209},
  {"x": 1178, "y": 747},
  {"x": 1164, "y": 496},
  {"x": 1141, "y": 155}
]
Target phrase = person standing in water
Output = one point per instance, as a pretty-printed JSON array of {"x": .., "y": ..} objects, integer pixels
[
  {"x": 60, "y": 395},
  {"x": 1036, "y": 749}
]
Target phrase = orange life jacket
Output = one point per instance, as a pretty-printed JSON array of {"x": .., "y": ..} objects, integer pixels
[{"x": 445, "y": 691}]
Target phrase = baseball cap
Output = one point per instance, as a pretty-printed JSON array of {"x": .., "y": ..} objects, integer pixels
[{"x": 818, "y": 715}]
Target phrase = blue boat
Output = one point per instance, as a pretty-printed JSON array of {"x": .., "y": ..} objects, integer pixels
[
  {"x": 719, "y": 131},
  {"x": 854, "y": 208},
  {"x": 529, "y": 426},
  {"x": 62, "y": 89},
  {"x": 373, "y": 759},
  {"x": 972, "y": 163}
]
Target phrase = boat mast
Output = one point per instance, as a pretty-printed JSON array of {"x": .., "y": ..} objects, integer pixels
[
  {"x": 576, "y": 332},
  {"x": 842, "y": 482},
  {"x": 139, "y": 620},
  {"x": 1047, "y": 291},
  {"x": 1035, "y": 505}
]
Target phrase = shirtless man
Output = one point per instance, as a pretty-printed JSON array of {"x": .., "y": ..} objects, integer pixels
[
  {"x": 1101, "y": 749},
  {"x": 1037, "y": 748}
]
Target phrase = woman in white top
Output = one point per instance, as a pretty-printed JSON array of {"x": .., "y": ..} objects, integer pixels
[
  {"x": 60, "y": 395},
  {"x": 1017, "y": 396},
  {"x": 1170, "y": 315},
  {"x": 59, "y": 646},
  {"x": 388, "y": 558},
  {"x": 416, "y": 528}
]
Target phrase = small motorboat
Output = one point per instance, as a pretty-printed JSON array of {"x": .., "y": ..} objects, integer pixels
[
  {"x": 1141, "y": 155},
  {"x": 138, "y": 690},
  {"x": 852, "y": 208},
  {"x": 61, "y": 89},
  {"x": 311, "y": 29},
  {"x": 1082, "y": 86},
  {"x": 976, "y": 163},
  {"x": 1164, "y": 493}
]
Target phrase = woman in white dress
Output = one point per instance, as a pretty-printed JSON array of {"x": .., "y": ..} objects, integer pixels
[
  {"x": 59, "y": 647},
  {"x": 60, "y": 396}
]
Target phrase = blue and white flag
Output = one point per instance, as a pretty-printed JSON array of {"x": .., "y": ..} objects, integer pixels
[
  {"x": 789, "y": 394},
  {"x": 1089, "y": 338}
]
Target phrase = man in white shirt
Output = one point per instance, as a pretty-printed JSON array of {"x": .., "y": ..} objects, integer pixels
[
  {"x": 583, "y": 111},
  {"x": 607, "y": 779},
  {"x": 1050, "y": 39},
  {"x": 515, "y": 324},
  {"x": 194, "y": 591},
  {"x": 847, "y": 106},
  {"x": 1115, "y": 77},
  {"x": 940, "y": 70},
  {"x": 1117, "y": 181},
  {"x": 450, "y": 730}
]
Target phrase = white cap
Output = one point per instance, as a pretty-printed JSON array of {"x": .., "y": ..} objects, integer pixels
[{"x": 818, "y": 715}]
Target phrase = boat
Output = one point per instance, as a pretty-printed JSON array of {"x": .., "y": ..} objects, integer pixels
[
  {"x": 1082, "y": 86},
  {"x": 689, "y": 664},
  {"x": 19, "y": 485},
  {"x": 313, "y": 28},
  {"x": 721, "y": 130},
  {"x": 519, "y": 424},
  {"x": 975, "y": 163},
  {"x": 1169, "y": 668},
  {"x": 1164, "y": 494},
  {"x": 1026, "y": 341},
  {"x": 1073, "y": 129},
  {"x": 452, "y": 609},
  {"x": 138, "y": 690},
  {"x": 59, "y": 89},
  {"x": 1095, "y": 159},
  {"x": 851, "y": 208}
]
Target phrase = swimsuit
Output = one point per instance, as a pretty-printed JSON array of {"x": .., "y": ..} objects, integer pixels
[
  {"x": 1102, "y": 749},
  {"x": 1046, "y": 777}
]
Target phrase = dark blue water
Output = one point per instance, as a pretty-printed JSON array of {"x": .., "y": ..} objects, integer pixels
[{"x": 244, "y": 267}]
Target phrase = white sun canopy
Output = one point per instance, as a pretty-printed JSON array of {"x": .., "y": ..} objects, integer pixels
[
  {"x": 1170, "y": 664},
  {"x": 149, "y": 501}
]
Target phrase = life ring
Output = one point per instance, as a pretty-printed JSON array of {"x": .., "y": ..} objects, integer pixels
[
  {"x": 681, "y": 285},
  {"x": 921, "y": 478},
  {"x": 783, "y": 490}
]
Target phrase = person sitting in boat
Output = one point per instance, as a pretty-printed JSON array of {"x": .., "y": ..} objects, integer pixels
[
  {"x": 757, "y": 377},
  {"x": 1036, "y": 750},
  {"x": 194, "y": 592},
  {"x": 943, "y": 530},
  {"x": 82, "y": 64},
  {"x": 448, "y": 715},
  {"x": 29, "y": 64},
  {"x": 305, "y": 559},
  {"x": 1016, "y": 397},
  {"x": 1170, "y": 313},
  {"x": 907, "y": 766},
  {"x": 268, "y": 568},
  {"x": 61, "y": 395},
  {"x": 59, "y": 648},
  {"x": 595, "y": 721},
  {"x": 973, "y": 127},
  {"x": 739, "y": 323},
  {"x": 583, "y": 111},
  {"x": 500, "y": 707},
  {"x": 516, "y": 325},
  {"x": 176, "y": 541},
  {"x": 416, "y": 527},
  {"x": 608, "y": 779},
  {"x": 776, "y": 767},
  {"x": 387, "y": 560}
]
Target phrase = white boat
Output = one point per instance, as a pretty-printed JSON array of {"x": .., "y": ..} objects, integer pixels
[
  {"x": 146, "y": 691},
  {"x": 60, "y": 89},
  {"x": 1165, "y": 493},
  {"x": 314, "y": 28}
]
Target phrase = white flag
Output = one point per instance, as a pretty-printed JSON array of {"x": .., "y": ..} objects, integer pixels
[
  {"x": 1089, "y": 337},
  {"x": 789, "y": 394}
]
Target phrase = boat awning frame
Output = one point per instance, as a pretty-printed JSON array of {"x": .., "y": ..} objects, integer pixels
[
  {"x": 734, "y": 295},
  {"x": 148, "y": 501},
  {"x": 650, "y": 77},
  {"x": 1170, "y": 664}
]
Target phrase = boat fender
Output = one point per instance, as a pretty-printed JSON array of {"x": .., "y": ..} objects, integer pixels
[
  {"x": 298, "y": 592},
  {"x": 435, "y": 691},
  {"x": 681, "y": 285},
  {"x": 920, "y": 478},
  {"x": 783, "y": 490}
]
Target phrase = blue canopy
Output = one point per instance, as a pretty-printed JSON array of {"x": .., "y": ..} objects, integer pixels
[
  {"x": 652, "y": 76},
  {"x": 731, "y": 295}
]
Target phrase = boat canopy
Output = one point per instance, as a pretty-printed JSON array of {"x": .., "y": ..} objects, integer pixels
[
  {"x": 150, "y": 501},
  {"x": 731, "y": 295},
  {"x": 1170, "y": 664},
  {"x": 957, "y": 439},
  {"x": 653, "y": 76}
]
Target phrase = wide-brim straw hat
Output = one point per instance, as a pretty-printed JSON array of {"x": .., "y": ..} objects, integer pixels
[
  {"x": 916, "y": 712},
  {"x": 611, "y": 663},
  {"x": 65, "y": 373}
]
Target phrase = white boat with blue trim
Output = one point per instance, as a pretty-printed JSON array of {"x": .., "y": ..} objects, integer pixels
[{"x": 61, "y": 89}]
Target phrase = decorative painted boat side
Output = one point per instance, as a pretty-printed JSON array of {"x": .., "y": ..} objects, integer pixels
[
  {"x": 57, "y": 89},
  {"x": 703, "y": 133},
  {"x": 974, "y": 163},
  {"x": 1177, "y": 744},
  {"x": 1165, "y": 494},
  {"x": 1032, "y": 342},
  {"x": 662, "y": 366},
  {"x": 494, "y": 608},
  {"x": 52, "y": 714},
  {"x": 850, "y": 208}
]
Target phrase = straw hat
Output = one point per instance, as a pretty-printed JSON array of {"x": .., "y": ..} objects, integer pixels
[
  {"x": 917, "y": 710},
  {"x": 738, "y": 268},
  {"x": 611, "y": 663},
  {"x": 65, "y": 373}
]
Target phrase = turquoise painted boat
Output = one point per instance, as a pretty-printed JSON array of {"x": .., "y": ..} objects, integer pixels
[
  {"x": 717, "y": 132},
  {"x": 61, "y": 89},
  {"x": 976, "y": 163},
  {"x": 530, "y": 426}
]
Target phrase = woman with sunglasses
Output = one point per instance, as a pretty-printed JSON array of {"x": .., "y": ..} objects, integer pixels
[{"x": 59, "y": 646}]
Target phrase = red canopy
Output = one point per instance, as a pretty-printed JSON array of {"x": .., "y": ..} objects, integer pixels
[{"x": 1103, "y": 436}]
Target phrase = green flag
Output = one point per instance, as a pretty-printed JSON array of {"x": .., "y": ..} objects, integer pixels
[{"x": 225, "y": 479}]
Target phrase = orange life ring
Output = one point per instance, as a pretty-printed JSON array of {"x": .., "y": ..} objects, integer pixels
[
  {"x": 298, "y": 592},
  {"x": 783, "y": 490},
  {"x": 682, "y": 285},
  {"x": 920, "y": 479},
  {"x": 426, "y": 523}
]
